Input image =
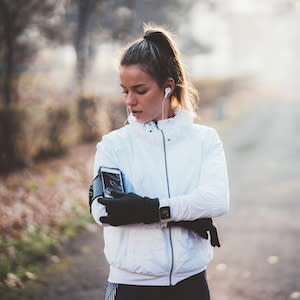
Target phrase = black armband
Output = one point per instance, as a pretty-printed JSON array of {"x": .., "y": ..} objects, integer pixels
[{"x": 95, "y": 190}]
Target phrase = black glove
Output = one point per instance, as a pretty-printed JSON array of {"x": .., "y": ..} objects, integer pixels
[
  {"x": 129, "y": 208},
  {"x": 201, "y": 226}
]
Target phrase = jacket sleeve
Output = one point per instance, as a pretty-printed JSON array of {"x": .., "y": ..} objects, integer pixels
[
  {"x": 105, "y": 157},
  {"x": 211, "y": 197}
]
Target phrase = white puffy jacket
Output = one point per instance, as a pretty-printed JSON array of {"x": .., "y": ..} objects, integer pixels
[{"x": 181, "y": 163}]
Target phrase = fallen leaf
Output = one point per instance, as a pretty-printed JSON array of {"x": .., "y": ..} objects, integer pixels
[
  {"x": 86, "y": 249},
  {"x": 273, "y": 260},
  {"x": 221, "y": 267},
  {"x": 30, "y": 275},
  {"x": 12, "y": 281},
  {"x": 55, "y": 259},
  {"x": 295, "y": 295}
]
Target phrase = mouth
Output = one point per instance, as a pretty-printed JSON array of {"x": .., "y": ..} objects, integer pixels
[{"x": 135, "y": 112}]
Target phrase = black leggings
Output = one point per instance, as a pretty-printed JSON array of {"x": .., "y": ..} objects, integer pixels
[{"x": 192, "y": 288}]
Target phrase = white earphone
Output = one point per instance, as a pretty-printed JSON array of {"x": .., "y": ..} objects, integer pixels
[{"x": 167, "y": 91}]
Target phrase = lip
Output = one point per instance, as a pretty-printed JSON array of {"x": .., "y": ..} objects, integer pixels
[{"x": 135, "y": 112}]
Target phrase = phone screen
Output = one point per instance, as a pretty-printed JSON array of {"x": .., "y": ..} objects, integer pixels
[{"x": 112, "y": 181}]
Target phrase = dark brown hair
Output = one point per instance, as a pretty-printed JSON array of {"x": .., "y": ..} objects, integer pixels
[{"x": 157, "y": 55}]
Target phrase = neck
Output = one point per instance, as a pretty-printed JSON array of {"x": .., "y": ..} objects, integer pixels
[{"x": 167, "y": 111}]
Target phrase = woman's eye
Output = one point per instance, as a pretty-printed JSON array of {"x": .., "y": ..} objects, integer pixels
[
  {"x": 141, "y": 92},
  {"x": 124, "y": 92}
]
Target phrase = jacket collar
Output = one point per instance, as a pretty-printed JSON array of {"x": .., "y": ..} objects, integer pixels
[{"x": 172, "y": 127}]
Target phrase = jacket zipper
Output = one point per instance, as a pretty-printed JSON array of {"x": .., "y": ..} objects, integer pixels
[{"x": 167, "y": 177}]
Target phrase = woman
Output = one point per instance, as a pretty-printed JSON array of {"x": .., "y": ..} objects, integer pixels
[{"x": 175, "y": 179}]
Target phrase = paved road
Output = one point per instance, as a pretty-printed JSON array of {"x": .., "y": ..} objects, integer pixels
[
  {"x": 260, "y": 254},
  {"x": 259, "y": 259}
]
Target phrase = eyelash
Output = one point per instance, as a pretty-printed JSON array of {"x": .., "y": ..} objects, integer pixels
[{"x": 140, "y": 93}]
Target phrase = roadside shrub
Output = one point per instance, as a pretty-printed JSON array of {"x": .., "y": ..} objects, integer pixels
[
  {"x": 56, "y": 125},
  {"x": 211, "y": 89},
  {"x": 88, "y": 120},
  {"x": 13, "y": 145},
  {"x": 117, "y": 113}
]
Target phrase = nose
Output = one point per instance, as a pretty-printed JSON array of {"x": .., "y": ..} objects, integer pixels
[{"x": 130, "y": 99}]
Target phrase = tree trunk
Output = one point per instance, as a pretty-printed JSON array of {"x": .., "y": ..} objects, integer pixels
[
  {"x": 9, "y": 56},
  {"x": 8, "y": 82},
  {"x": 85, "y": 9}
]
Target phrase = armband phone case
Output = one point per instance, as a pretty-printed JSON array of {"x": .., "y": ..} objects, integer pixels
[{"x": 111, "y": 179}]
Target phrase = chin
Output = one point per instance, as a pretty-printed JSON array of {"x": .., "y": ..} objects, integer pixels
[
  {"x": 146, "y": 119},
  {"x": 142, "y": 119}
]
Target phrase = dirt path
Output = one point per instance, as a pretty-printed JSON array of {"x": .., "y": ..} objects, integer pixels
[{"x": 259, "y": 259}]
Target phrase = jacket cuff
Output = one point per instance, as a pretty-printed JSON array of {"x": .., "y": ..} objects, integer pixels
[{"x": 98, "y": 210}]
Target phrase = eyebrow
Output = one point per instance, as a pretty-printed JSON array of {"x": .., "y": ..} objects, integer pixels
[{"x": 135, "y": 86}]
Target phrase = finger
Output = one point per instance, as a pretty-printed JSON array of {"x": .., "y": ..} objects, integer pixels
[
  {"x": 170, "y": 224},
  {"x": 111, "y": 221},
  {"x": 117, "y": 194},
  {"x": 179, "y": 223},
  {"x": 106, "y": 220},
  {"x": 214, "y": 239},
  {"x": 202, "y": 234},
  {"x": 104, "y": 201}
]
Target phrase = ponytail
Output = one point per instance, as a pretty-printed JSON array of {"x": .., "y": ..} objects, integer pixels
[{"x": 157, "y": 55}]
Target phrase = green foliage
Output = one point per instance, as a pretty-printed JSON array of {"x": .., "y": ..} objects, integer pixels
[
  {"x": 73, "y": 222},
  {"x": 25, "y": 252},
  {"x": 32, "y": 186},
  {"x": 18, "y": 254},
  {"x": 38, "y": 244},
  {"x": 5, "y": 265},
  {"x": 53, "y": 179}
]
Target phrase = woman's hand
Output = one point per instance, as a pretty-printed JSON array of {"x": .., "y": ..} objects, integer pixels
[
  {"x": 201, "y": 227},
  {"x": 129, "y": 208}
]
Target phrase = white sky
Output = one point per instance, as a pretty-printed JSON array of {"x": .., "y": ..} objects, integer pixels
[{"x": 247, "y": 36}]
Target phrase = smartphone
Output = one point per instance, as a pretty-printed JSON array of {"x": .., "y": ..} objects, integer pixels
[{"x": 111, "y": 179}]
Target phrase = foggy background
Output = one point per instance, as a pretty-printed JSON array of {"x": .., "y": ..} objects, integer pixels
[
  {"x": 60, "y": 93},
  {"x": 216, "y": 39}
]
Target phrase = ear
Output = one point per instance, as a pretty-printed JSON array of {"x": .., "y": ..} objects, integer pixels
[{"x": 170, "y": 83}]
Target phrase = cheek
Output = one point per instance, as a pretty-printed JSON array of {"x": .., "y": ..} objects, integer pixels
[
  {"x": 154, "y": 106},
  {"x": 155, "y": 101}
]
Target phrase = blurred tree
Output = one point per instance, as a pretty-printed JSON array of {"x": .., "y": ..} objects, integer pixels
[
  {"x": 96, "y": 21},
  {"x": 20, "y": 20},
  {"x": 82, "y": 43},
  {"x": 93, "y": 22}
]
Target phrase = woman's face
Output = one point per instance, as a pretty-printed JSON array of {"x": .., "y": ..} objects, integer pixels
[{"x": 142, "y": 94}]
